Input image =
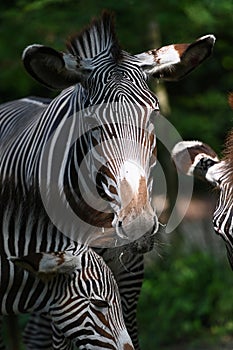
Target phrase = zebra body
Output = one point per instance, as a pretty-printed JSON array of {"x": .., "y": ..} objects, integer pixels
[
  {"x": 86, "y": 156},
  {"x": 198, "y": 159}
]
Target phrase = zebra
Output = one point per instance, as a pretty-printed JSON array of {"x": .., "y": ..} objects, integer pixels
[
  {"x": 53, "y": 275},
  {"x": 128, "y": 270},
  {"x": 199, "y": 159},
  {"x": 102, "y": 123}
]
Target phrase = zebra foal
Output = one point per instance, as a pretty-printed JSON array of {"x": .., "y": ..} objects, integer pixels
[
  {"x": 57, "y": 278},
  {"x": 198, "y": 159},
  {"x": 86, "y": 156}
]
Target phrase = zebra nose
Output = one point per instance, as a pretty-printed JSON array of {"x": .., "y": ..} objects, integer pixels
[
  {"x": 134, "y": 225},
  {"x": 120, "y": 230}
]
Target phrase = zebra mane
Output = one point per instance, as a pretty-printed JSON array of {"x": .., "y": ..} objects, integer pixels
[
  {"x": 98, "y": 37},
  {"x": 228, "y": 152}
]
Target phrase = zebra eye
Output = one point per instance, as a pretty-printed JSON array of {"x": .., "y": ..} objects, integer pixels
[{"x": 102, "y": 304}]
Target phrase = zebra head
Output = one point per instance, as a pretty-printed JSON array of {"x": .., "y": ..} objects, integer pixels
[
  {"x": 83, "y": 301},
  {"x": 198, "y": 159},
  {"x": 115, "y": 142}
]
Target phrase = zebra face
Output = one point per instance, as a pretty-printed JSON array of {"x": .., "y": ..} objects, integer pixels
[
  {"x": 123, "y": 145},
  {"x": 80, "y": 296},
  {"x": 122, "y": 154},
  {"x": 87, "y": 310},
  {"x": 106, "y": 175}
]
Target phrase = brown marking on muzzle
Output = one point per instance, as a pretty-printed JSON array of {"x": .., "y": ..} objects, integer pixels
[
  {"x": 133, "y": 203},
  {"x": 128, "y": 347}
]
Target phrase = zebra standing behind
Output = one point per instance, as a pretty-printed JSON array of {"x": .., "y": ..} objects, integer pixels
[
  {"x": 198, "y": 159},
  {"x": 87, "y": 156}
]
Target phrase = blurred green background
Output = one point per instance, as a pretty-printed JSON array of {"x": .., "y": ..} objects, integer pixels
[{"x": 187, "y": 295}]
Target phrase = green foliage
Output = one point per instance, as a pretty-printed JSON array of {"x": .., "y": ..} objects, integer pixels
[
  {"x": 206, "y": 118},
  {"x": 185, "y": 296}
]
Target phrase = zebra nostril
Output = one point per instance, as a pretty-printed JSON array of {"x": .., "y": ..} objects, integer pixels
[
  {"x": 119, "y": 224},
  {"x": 120, "y": 230}
]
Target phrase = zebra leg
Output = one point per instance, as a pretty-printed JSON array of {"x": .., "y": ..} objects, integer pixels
[
  {"x": 14, "y": 335},
  {"x": 12, "y": 331},
  {"x": 129, "y": 282},
  {"x": 2, "y": 346},
  {"x": 128, "y": 269},
  {"x": 38, "y": 332}
]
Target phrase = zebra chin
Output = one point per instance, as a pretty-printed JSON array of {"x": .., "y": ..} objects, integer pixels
[
  {"x": 135, "y": 218},
  {"x": 139, "y": 232},
  {"x": 117, "y": 340}
]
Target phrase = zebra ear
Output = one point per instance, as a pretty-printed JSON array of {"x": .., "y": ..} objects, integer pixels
[
  {"x": 198, "y": 159},
  {"x": 49, "y": 264},
  {"x": 54, "y": 69},
  {"x": 173, "y": 62}
]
